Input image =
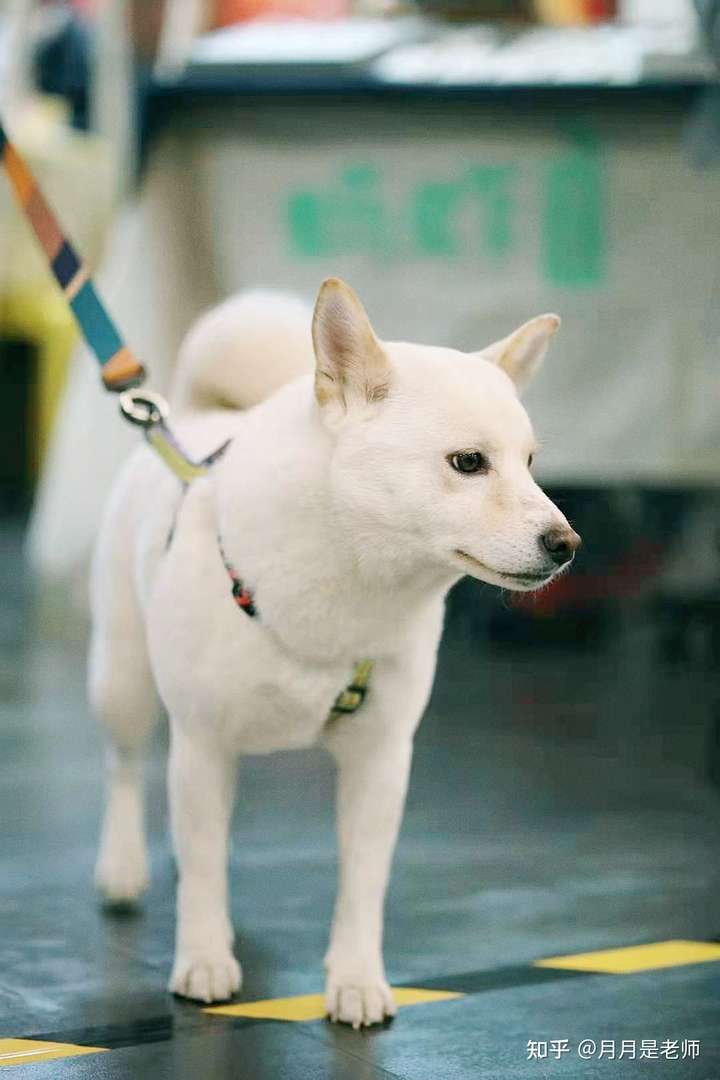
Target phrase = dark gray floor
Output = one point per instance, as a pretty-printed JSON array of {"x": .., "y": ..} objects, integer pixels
[{"x": 560, "y": 802}]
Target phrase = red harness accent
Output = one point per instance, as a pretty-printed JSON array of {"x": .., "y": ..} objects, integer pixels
[{"x": 242, "y": 596}]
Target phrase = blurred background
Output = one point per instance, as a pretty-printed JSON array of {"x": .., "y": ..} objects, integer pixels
[{"x": 464, "y": 164}]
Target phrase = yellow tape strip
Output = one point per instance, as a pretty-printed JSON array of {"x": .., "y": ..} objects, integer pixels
[
  {"x": 662, "y": 954},
  {"x": 305, "y": 1007},
  {"x": 30, "y": 1051}
]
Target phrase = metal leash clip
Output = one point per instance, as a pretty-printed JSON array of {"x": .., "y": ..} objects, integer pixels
[
  {"x": 144, "y": 407},
  {"x": 150, "y": 411}
]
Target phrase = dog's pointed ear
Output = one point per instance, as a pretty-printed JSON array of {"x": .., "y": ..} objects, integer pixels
[
  {"x": 351, "y": 366},
  {"x": 522, "y": 352}
]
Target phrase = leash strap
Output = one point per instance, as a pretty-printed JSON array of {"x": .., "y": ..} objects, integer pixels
[
  {"x": 122, "y": 371},
  {"x": 120, "y": 368}
]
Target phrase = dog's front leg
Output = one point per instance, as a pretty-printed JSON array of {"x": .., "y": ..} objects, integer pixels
[
  {"x": 201, "y": 787},
  {"x": 372, "y": 781}
]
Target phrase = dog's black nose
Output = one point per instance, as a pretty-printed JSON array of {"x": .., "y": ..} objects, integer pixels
[{"x": 560, "y": 544}]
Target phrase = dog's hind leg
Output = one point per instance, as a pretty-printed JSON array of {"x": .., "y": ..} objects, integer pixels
[{"x": 123, "y": 696}]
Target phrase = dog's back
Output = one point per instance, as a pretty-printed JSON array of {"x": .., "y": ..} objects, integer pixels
[{"x": 239, "y": 353}]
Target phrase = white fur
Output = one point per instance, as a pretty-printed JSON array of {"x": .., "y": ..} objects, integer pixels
[{"x": 345, "y": 518}]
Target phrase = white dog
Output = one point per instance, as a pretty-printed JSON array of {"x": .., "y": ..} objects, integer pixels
[{"x": 343, "y": 510}]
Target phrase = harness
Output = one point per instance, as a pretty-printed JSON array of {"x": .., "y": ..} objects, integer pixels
[
  {"x": 348, "y": 700},
  {"x": 123, "y": 374}
]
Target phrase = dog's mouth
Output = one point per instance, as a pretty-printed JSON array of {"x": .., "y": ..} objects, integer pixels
[{"x": 528, "y": 579}]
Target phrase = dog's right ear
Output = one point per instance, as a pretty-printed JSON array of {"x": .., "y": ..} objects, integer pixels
[
  {"x": 522, "y": 352},
  {"x": 351, "y": 367}
]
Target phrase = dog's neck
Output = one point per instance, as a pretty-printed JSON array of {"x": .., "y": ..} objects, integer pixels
[{"x": 315, "y": 571}]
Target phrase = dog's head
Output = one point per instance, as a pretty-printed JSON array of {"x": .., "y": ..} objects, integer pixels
[{"x": 432, "y": 450}]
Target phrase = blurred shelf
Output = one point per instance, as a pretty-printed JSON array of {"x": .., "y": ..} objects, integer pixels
[
  {"x": 407, "y": 55},
  {"x": 164, "y": 103},
  {"x": 416, "y": 61},
  {"x": 209, "y": 85}
]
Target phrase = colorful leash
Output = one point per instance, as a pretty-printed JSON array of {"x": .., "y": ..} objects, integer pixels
[{"x": 121, "y": 371}]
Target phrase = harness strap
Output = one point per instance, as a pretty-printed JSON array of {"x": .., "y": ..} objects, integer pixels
[
  {"x": 162, "y": 440},
  {"x": 352, "y": 697},
  {"x": 348, "y": 700},
  {"x": 242, "y": 596}
]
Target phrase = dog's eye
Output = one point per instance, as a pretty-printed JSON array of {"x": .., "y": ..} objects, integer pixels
[
  {"x": 469, "y": 461},
  {"x": 531, "y": 458}
]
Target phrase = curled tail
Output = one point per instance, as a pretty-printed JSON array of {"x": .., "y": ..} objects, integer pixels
[{"x": 243, "y": 350}]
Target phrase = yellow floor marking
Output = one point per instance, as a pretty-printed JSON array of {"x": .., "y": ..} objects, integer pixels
[
  {"x": 30, "y": 1051},
  {"x": 312, "y": 1006},
  {"x": 662, "y": 954}
]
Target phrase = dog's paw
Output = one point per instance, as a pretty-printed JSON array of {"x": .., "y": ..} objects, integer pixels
[
  {"x": 358, "y": 1002},
  {"x": 207, "y": 977},
  {"x": 121, "y": 877}
]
